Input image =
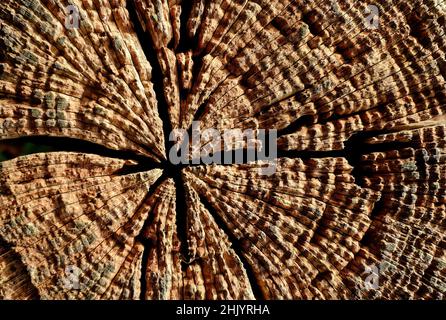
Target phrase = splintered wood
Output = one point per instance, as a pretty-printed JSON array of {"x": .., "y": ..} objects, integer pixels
[{"x": 355, "y": 207}]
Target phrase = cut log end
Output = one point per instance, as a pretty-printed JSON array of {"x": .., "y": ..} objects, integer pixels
[{"x": 350, "y": 203}]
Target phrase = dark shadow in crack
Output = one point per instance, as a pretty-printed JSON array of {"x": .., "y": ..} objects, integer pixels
[
  {"x": 356, "y": 147},
  {"x": 147, "y": 243},
  {"x": 185, "y": 43},
  {"x": 236, "y": 245},
  {"x": 146, "y": 43},
  {"x": 64, "y": 144},
  {"x": 181, "y": 219}
]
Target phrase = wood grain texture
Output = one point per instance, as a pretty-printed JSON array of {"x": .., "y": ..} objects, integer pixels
[{"x": 359, "y": 188}]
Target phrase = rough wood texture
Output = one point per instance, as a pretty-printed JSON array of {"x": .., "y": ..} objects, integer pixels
[{"x": 356, "y": 208}]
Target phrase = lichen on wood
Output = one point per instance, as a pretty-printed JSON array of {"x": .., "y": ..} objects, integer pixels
[{"x": 356, "y": 206}]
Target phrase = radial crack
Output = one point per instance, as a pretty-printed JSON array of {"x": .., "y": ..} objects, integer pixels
[
  {"x": 157, "y": 76},
  {"x": 35, "y": 144},
  {"x": 238, "y": 249}
]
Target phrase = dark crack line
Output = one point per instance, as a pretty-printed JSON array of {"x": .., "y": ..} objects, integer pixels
[
  {"x": 64, "y": 144},
  {"x": 236, "y": 245},
  {"x": 355, "y": 147},
  {"x": 170, "y": 170},
  {"x": 181, "y": 219},
  {"x": 147, "y": 243},
  {"x": 368, "y": 238},
  {"x": 306, "y": 120},
  {"x": 181, "y": 209},
  {"x": 147, "y": 45},
  {"x": 185, "y": 43}
]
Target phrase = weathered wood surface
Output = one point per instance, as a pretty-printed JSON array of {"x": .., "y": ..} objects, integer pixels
[{"x": 360, "y": 182}]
